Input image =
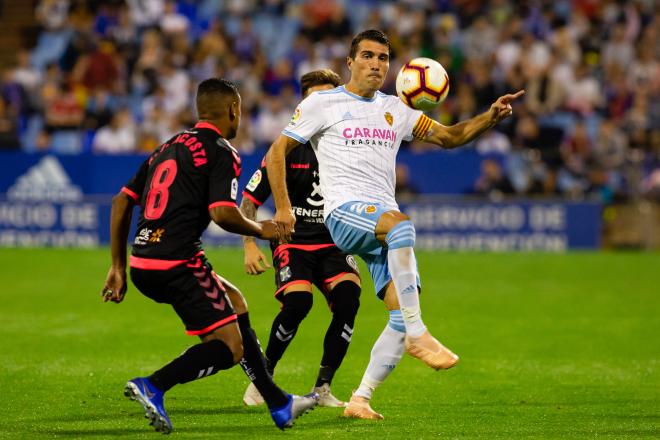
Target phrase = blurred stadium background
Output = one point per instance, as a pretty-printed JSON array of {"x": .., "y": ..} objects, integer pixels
[{"x": 89, "y": 87}]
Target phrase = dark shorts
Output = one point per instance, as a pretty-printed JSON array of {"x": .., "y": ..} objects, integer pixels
[
  {"x": 310, "y": 264},
  {"x": 192, "y": 289}
]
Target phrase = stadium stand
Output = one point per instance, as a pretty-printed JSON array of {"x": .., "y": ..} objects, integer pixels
[{"x": 590, "y": 123}]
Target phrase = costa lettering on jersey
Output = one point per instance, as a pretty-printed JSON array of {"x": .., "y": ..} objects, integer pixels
[{"x": 176, "y": 186}]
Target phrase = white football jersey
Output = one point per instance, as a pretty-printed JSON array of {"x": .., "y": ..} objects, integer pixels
[{"x": 356, "y": 141}]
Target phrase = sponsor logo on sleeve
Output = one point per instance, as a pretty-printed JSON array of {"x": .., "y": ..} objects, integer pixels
[
  {"x": 255, "y": 180},
  {"x": 234, "y": 188},
  {"x": 295, "y": 117}
]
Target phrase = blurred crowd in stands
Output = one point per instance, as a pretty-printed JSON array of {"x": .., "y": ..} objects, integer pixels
[{"x": 119, "y": 77}]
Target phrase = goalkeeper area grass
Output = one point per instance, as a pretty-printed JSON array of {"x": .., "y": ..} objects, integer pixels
[{"x": 551, "y": 346}]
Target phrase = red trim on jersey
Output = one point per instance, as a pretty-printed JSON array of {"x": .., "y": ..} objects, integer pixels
[
  {"x": 252, "y": 198},
  {"x": 331, "y": 279},
  {"x": 154, "y": 264},
  {"x": 304, "y": 247},
  {"x": 208, "y": 125},
  {"x": 213, "y": 326},
  {"x": 216, "y": 204},
  {"x": 129, "y": 193},
  {"x": 281, "y": 289}
]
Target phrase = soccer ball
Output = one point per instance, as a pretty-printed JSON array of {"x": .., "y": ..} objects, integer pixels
[{"x": 422, "y": 83}]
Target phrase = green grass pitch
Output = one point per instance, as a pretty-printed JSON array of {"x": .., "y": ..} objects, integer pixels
[{"x": 551, "y": 346}]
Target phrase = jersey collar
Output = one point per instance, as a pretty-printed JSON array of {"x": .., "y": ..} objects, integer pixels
[
  {"x": 204, "y": 124},
  {"x": 361, "y": 98}
]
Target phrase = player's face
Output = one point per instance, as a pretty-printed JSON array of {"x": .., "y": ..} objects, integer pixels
[
  {"x": 318, "y": 88},
  {"x": 370, "y": 66}
]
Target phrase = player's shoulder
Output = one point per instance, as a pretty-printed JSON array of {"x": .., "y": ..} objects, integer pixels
[
  {"x": 225, "y": 148},
  {"x": 388, "y": 99}
]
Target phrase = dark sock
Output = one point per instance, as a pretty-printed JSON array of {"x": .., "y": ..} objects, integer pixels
[
  {"x": 254, "y": 365},
  {"x": 295, "y": 306},
  {"x": 344, "y": 302},
  {"x": 326, "y": 374},
  {"x": 198, "y": 361}
]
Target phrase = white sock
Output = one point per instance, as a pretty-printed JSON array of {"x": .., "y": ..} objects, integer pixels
[
  {"x": 385, "y": 355},
  {"x": 403, "y": 267}
]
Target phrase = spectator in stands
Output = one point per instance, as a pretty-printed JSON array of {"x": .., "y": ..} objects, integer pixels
[
  {"x": 117, "y": 137},
  {"x": 404, "y": 190},
  {"x": 492, "y": 182},
  {"x": 52, "y": 14},
  {"x": 594, "y": 60},
  {"x": 8, "y": 129}
]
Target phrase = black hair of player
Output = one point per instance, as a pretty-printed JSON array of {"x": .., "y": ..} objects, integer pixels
[
  {"x": 371, "y": 35},
  {"x": 210, "y": 92}
]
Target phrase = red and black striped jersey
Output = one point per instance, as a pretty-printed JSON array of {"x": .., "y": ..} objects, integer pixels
[{"x": 176, "y": 187}]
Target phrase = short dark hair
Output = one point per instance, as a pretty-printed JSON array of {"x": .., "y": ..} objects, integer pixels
[
  {"x": 211, "y": 92},
  {"x": 372, "y": 35},
  {"x": 317, "y": 78},
  {"x": 218, "y": 86}
]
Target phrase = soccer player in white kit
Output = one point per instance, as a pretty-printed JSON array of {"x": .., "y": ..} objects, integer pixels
[{"x": 356, "y": 132}]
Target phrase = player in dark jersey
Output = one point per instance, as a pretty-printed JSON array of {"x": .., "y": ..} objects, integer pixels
[
  {"x": 310, "y": 258},
  {"x": 183, "y": 185}
]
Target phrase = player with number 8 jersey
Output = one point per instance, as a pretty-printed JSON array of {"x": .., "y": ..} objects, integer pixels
[
  {"x": 183, "y": 185},
  {"x": 191, "y": 173}
]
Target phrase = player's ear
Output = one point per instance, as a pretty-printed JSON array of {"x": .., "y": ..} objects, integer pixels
[
  {"x": 233, "y": 110},
  {"x": 349, "y": 62}
]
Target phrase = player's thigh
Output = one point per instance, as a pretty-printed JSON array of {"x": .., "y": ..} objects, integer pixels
[
  {"x": 334, "y": 266},
  {"x": 294, "y": 270},
  {"x": 235, "y": 296},
  {"x": 352, "y": 227},
  {"x": 199, "y": 299},
  {"x": 376, "y": 262}
]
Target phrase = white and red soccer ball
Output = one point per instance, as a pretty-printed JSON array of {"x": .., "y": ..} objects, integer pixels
[{"x": 422, "y": 83}]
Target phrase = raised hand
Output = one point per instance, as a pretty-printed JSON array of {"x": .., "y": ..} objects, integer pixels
[{"x": 501, "y": 109}]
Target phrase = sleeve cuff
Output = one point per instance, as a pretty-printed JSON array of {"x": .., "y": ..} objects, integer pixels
[
  {"x": 251, "y": 198},
  {"x": 224, "y": 203},
  {"x": 130, "y": 193},
  {"x": 294, "y": 136}
]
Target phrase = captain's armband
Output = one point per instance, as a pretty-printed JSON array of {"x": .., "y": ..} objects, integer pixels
[{"x": 422, "y": 128}]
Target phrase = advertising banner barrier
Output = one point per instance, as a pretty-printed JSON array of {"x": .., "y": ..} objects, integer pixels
[{"x": 64, "y": 201}]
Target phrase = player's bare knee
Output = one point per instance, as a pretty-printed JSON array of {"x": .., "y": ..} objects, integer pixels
[
  {"x": 387, "y": 222},
  {"x": 231, "y": 337},
  {"x": 237, "y": 300}
]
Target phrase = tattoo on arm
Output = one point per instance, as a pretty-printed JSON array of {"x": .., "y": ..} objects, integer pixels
[{"x": 249, "y": 210}]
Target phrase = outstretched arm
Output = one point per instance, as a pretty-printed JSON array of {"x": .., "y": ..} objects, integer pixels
[
  {"x": 276, "y": 166},
  {"x": 230, "y": 219},
  {"x": 459, "y": 134},
  {"x": 254, "y": 260},
  {"x": 114, "y": 288}
]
